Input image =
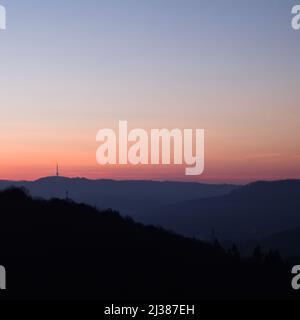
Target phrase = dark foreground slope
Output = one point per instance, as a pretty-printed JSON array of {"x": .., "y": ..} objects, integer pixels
[{"x": 58, "y": 249}]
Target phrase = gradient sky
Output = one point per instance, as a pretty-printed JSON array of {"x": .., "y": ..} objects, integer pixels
[{"x": 69, "y": 68}]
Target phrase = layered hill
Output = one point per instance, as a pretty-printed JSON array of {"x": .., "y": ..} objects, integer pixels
[{"x": 58, "y": 249}]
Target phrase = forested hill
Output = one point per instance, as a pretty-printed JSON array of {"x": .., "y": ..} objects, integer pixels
[{"x": 63, "y": 250}]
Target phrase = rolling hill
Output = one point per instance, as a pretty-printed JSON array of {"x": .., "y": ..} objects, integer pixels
[
  {"x": 129, "y": 197},
  {"x": 233, "y": 214},
  {"x": 58, "y": 249},
  {"x": 250, "y": 212}
]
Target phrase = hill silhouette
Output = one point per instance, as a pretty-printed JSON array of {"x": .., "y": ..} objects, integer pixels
[
  {"x": 58, "y": 249},
  {"x": 128, "y": 197},
  {"x": 244, "y": 215},
  {"x": 247, "y": 213}
]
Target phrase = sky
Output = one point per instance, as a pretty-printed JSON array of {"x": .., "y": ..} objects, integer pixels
[{"x": 69, "y": 68}]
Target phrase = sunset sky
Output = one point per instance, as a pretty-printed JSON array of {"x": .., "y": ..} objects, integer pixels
[{"x": 69, "y": 68}]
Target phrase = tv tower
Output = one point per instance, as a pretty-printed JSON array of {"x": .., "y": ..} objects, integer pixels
[{"x": 57, "y": 172}]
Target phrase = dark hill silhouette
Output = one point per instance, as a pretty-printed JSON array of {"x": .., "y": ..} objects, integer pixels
[
  {"x": 231, "y": 213},
  {"x": 128, "y": 197},
  {"x": 283, "y": 189},
  {"x": 250, "y": 212},
  {"x": 63, "y": 250}
]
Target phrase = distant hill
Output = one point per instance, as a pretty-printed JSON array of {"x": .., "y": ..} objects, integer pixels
[
  {"x": 250, "y": 212},
  {"x": 129, "y": 197},
  {"x": 233, "y": 214},
  {"x": 58, "y": 249}
]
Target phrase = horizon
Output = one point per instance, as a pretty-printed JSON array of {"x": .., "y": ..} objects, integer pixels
[{"x": 149, "y": 180}]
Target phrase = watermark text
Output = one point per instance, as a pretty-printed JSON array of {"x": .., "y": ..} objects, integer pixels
[
  {"x": 165, "y": 146},
  {"x": 2, "y": 278},
  {"x": 296, "y": 17},
  {"x": 2, "y": 18}
]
